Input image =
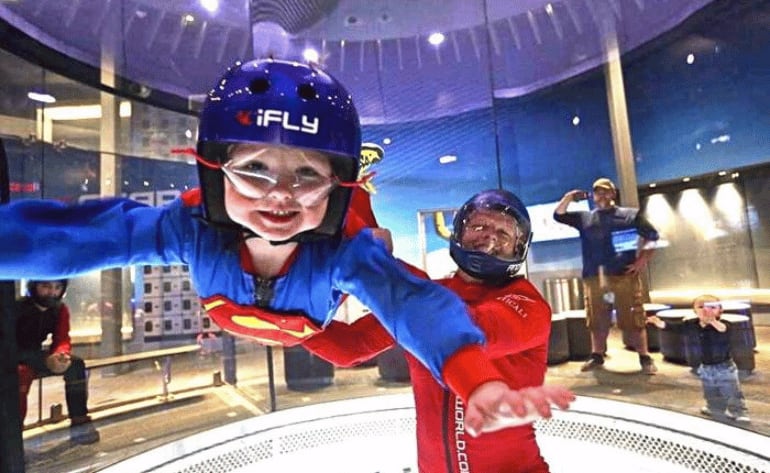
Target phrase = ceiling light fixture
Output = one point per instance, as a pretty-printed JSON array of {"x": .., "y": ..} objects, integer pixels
[
  {"x": 311, "y": 55},
  {"x": 210, "y": 5},
  {"x": 41, "y": 97},
  {"x": 446, "y": 159},
  {"x": 436, "y": 38},
  {"x": 84, "y": 112}
]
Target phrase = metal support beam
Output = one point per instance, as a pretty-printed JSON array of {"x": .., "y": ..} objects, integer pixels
[{"x": 621, "y": 132}]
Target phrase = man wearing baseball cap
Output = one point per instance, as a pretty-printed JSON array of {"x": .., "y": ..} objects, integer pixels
[{"x": 616, "y": 244}]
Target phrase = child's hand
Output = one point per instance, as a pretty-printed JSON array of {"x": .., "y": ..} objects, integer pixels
[
  {"x": 384, "y": 235},
  {"x": 493, "y": 402},
  {"x": 655, "y": 320},
  {"x": 718, "y": 325}
]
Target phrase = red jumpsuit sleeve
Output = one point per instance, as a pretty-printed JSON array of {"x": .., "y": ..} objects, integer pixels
[
  {"x": 60, "y": 339},
  {"x": 360, "y": 214},
  {"x": 514, "y": 319},
  {"x": 513, "y": 322},
  {"x": 349, "y": 344},
  {"x": 467, "y": 369}
]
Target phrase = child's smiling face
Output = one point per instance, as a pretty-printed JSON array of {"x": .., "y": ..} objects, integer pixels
[
  {"x": 277, "y": 191},
  {"x": 707, "y": 308}
]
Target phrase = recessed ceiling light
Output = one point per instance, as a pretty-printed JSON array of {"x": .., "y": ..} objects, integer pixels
[
  {"x": 446, "y": 159},
  {"x": 653, "y": 185},
  {"x": 311, "y": 55},
  {"x": 41, "y": 97},
  {"x": 210, "y": 5},
  {"x": 686, "y": 179},
  {"x": 436, "y": 38}
]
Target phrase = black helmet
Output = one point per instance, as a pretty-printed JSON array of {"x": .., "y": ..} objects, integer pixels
[
  {"x": 46, "y": 301},
  {"x": 479, "y": 264}
]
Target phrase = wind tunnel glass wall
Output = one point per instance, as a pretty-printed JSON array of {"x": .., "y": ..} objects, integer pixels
[{"x": 513, "y": 96}]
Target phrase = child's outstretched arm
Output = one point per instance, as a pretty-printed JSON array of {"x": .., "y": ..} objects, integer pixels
[{"x": 50, "y": 239}]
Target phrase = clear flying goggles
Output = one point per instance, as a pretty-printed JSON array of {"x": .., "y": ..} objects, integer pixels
[
  {"x": 309, "y": 189},
  {"x": 306, "y": 186}
]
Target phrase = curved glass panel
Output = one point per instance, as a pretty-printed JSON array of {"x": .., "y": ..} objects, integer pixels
[{"x": 462, "y": 96}]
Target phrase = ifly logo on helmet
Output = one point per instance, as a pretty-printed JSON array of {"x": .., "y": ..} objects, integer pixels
[{"x": 266, "y": 117}]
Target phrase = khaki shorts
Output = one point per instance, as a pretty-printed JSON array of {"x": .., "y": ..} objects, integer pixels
[{"x": 628, "y": 302}]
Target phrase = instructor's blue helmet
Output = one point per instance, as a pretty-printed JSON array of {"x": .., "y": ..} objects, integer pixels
[
  {"x": 280, "y": 103},
  {"x": 479, "y": 264}
]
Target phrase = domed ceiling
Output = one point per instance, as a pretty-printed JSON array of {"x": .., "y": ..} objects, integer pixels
[{"x": 381, "y": 49}]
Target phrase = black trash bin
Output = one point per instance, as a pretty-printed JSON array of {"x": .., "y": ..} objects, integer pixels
[
  {"x": 672, "y": 344},
  {"x": 304, "y": 371},
  {"x": 742, "y": 341},
  {"x": 578, "y": 335},
  {"x": 558, "y": 343},
  {"x": 653, "y": 332},
  {"x": 742, "y": 308}
]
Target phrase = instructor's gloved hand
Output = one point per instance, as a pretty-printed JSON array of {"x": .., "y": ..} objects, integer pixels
[{"x": 58, "y": 362}]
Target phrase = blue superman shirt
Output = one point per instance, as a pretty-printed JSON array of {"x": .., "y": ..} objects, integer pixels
[{"x": 47, "y": 239}]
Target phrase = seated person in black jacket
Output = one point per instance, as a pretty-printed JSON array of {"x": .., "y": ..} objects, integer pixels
[{"x": 39, "y": 314}]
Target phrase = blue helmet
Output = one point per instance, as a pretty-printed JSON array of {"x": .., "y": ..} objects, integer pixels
[
  {"x": 479, "y": 264},
  {"x": 281, "y": 103}
]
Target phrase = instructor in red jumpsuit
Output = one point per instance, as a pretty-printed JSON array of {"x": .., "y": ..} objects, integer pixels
[{"x": 489, "y": 243}]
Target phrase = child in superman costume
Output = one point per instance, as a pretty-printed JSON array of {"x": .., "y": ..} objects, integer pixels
[
  {"x": 489, "y": 242},
  {"x": 277, "y": 154}
]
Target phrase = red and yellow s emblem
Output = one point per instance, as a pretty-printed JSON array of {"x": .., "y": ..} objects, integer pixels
[{"x": 260, "y": 324}]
